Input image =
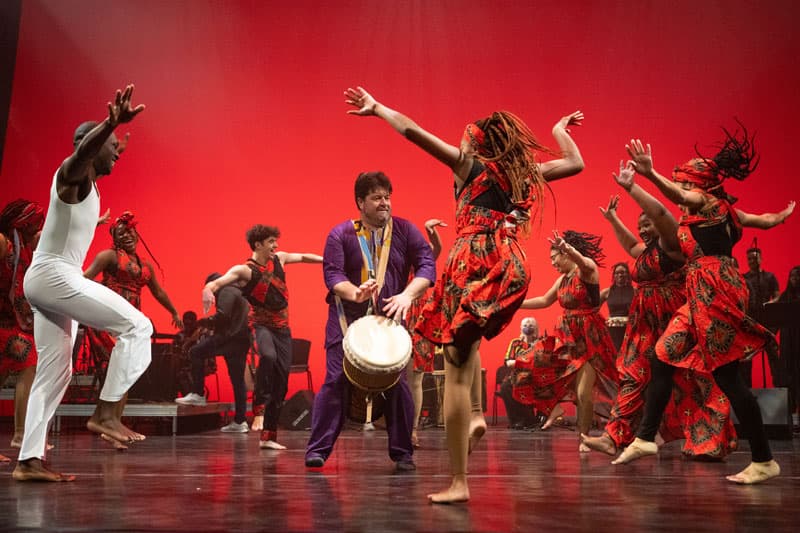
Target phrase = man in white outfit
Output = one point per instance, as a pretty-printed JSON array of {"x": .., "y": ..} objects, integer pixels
[{"x": 61, "y": 297}]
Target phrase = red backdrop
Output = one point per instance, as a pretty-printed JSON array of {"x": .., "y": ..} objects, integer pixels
[{"x": 245, "y": 120}]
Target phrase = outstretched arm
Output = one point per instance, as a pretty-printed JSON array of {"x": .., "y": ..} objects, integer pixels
[
  {"x": 448, "y": 154},
  {"x": 625, "y": 236},
  {"x": 285, "y": 258},
  {"x": 665, "y": 223},
  {"x": 571, "y": 161},
  {"x": 102, "y": 261},
  {"x": 238, "y": 274},
  {"x": 642, "y": 162},
  {"x": 765, "y": 220},
  {"x": 76, "y": 167}
]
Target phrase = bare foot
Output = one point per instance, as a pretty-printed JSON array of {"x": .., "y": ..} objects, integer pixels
[
  {"x": 132, "y": 435},
  {"x": 457, "y": 492},
  {"x": 477, "y": 427},
  {"x": 414, "y": 439},
  {"x": 636, "y": 449},
  {"x": 115, "y": 443},
  {"x": 582, "y": 448},
  {"x": 270, "y": 445},
  {"x": 756, "y": 473},
  {"x": 35, "y": 470},
  {"x": 557, "y": 413},
  {"x": 112, "y": 428},
  {"x": 16, "y": 442},
  {"x": 258, "y": 423},
  {"x": 600, "y": 444},
  {"x": 4, "y": 459}
]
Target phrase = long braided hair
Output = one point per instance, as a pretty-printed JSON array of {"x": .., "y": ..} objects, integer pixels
[
  {"x": 587, "y": 244},
  {"x": 736, "y": 156},
  {"x": 511, "y": 145}
]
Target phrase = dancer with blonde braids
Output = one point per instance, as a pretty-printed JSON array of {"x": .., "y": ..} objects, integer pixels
[
  {"x": 497, "y": 182},
  {"x": 711, "y": 332}
]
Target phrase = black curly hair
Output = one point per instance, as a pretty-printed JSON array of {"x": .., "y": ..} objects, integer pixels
[{"x": 587, "y": 244}]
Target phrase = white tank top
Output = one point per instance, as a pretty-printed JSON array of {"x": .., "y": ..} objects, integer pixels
[{"x": 68, "y": 228}]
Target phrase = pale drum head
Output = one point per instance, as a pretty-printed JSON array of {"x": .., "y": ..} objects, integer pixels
[{"x": 377, "y": 349}]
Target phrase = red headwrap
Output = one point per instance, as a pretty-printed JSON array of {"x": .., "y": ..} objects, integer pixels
[
  {"x": 125, "y": 219},
  {"x": 700, "y": 172},
  {"x": 30, "y": 217},
  {"x": 476, "y": 138}
]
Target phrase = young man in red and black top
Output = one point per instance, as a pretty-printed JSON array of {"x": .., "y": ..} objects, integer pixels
[{"x": 262, "y": 281}]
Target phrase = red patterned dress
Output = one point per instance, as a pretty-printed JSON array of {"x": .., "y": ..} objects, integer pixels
[
  {"x": 536, "y": 370},
  {"x": 16, "y": 318},
  {"x": 699, "y": 411},
  {"x": 486, "y": 276},
  {"x": 127, "y": 280},
  {"x": 582, "y": 332},
  {"x": 422, "y": 349},
  {"x": 711, "y": 329}
]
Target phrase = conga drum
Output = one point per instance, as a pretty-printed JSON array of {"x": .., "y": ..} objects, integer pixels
[{"x": 376, "y": 352}]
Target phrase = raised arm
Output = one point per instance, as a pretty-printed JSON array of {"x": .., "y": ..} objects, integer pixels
[
  {"x": 285, "y": 258},
  {"x": 448, "y": 154},
  {"x": 642, "y": 162},
  {"x": 545, "y": 300},
  {"x": 570, "y": 162},
  {"x": 587, "y": 268},
  {"x": 433, "y": 235},
  {"x": 665, "y": 223},
  {"x": 76, "y": 167},
  {"x": 765, "y": 220},
  {"x": 102, "y": 261},
  {"x": 626, "y": 238}
]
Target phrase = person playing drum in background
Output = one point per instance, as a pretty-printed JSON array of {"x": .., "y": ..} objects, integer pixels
[
  {"x": 352, "y": 290},
  {"x": 262, "y": 280}
]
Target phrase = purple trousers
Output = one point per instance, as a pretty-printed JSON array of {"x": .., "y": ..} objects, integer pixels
[{"x": 328, "y": 415}]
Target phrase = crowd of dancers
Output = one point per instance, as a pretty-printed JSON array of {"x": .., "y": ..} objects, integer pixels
[{"x": 685, "y": 334}]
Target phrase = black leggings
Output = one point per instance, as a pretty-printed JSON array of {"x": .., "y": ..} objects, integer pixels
[{"x": 729, "y": 380}]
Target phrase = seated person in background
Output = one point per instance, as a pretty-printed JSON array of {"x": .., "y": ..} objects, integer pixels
[
  {"x": 231, "y": 339},
  {"x": 520, "y": 416}
]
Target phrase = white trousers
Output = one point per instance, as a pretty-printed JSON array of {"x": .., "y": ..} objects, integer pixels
[{"x": 60, "y": 298}]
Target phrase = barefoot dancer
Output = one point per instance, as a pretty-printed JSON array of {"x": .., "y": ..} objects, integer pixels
[
  {"x": 497, "y": 181},
  {"x": 711, "y": 331},
  {"x": 126, "y": 273},
  {"x": 20, "y": 224},
  {"x": 59, "y": 295},
  {"x": 699, "y": 412},
  {"x": 581, "y": 329}
]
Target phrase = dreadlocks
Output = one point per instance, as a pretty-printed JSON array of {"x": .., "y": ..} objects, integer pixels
[
  {"x": 511, "y": 145},
  {"x": 587, "y": 244},
  {"x": 736, "y": 157}
]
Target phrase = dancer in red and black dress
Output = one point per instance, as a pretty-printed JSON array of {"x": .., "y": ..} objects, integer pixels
[
  {"x": 711, "y": 332},
  {"x": 589, "y": 376},
  {"x": 20, "y": 224},
  {"x": 699, "y": 411},
  {"x": 125, "y": 273},
  {"x": 486, "y": 277}
]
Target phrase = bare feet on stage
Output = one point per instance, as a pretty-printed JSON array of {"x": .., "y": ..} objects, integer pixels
[
  {"x": 458, "y": 492},
  {"x": 4, "y": 459},
  {"x": 600, "y": 444},
  {"x": 132, "y": 435},
  {"x": 636, "y": 449},
  {"x": 582, "y": 448},
  {"x": 477, "y": 427},
  {"x": 756, "y": 473},
  {"x": 258, "y": 423},
  {"x": 35, "y": 470},
  {"x": 114, "y": 442},
  {"x": 414, "y": 438},
  {"x": 555, "y": 415},
  {"x": 104, "y": 422},
  {"x": 16, "y": 442}
]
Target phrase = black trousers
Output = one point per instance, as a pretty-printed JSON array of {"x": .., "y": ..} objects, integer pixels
[
  {"x": 234, "y": 349},
  {"x": 272, "y": 377}
]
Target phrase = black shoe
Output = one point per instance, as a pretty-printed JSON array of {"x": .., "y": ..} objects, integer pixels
[
  {"x": 315, "y": 461},
  {"x": 402, "y": 466}
]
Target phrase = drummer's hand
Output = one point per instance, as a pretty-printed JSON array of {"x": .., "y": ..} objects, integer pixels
[
  {"x": 510, "y": 363},
  {"x": 365, "y": 291},
  {"x": 397, "y": 306}
]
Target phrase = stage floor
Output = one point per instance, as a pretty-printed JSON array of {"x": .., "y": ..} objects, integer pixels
[{"x": 520, "y": 481}]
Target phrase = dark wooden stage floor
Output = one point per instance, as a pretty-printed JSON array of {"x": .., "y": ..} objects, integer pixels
[{"x": 520, "y": 481}]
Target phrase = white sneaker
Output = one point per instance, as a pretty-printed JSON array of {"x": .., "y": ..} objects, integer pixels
[
  {"x": 191, "y": 399},
  {"x": 233, "y": 427}
]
